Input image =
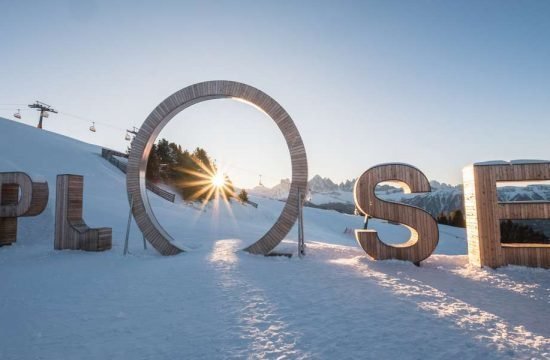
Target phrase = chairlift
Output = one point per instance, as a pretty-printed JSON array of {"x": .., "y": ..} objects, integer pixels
[
  {"x": 17, "y": 115},
  {"x": 92, "y": 128},
  {"x": 46, "y": 114},
  {"x": 127, "y": 137}
]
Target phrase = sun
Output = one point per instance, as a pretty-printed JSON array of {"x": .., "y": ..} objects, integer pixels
[
  {"x": 210, "y": 183},
  {"x": 218, "y": 180}
]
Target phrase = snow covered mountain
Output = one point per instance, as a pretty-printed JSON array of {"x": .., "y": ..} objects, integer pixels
[
  {"x": 444, "y": 198},
  {"x": 321, "y": 185},
  {"x": 528, "y": 193},
  {"x": 316, "y": 185},
  {"x": 278, "y": 192}
]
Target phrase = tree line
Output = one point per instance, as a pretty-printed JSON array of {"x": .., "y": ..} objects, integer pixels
[
  {"x": 521, "y": 232},
  {"x": 453, "y": 218},
  {"x": 185, "y": 171}
]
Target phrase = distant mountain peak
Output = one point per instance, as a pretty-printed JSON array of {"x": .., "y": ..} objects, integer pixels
[
  {"x": 443, "y": 198},
  {"x": 320, "y": 184}
]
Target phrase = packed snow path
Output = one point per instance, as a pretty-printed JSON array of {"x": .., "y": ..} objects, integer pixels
[
  {"x": 215, "y": 301},
  {"x": 223, "y": 303}
]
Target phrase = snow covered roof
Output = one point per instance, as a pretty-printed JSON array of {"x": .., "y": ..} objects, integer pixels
[{"x": 512, "y": 162}]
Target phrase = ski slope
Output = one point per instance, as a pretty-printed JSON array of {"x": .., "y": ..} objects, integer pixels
[{"x": 215, "y": 301}]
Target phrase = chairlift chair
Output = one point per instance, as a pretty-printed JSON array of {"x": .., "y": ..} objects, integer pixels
[
  {"x": 127, "y": 137},
  {"x": 17, "y": 115},
  {"x": 46, "y": 114},
  {"x": 92, "y": 128}
]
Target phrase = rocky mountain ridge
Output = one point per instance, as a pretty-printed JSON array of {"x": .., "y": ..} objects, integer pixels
[{"x": 444, "y": 198}]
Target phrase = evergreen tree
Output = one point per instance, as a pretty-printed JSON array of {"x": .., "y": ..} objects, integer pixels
[
  {"x": 516, "y": 232},
  {"x": 243, "y": 196},
  {"x": 201, "y": 155},
  {"x": 163, "y": 151},
  {"x": 442, "y": 219},
  {"x": 457, "y": 219},
  {"x": 179, "y": 168},
  {"x": 153, "y": 165},
  {"x": 228, "y": 189}
]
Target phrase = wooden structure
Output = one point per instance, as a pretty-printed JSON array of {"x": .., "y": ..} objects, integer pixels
[
  {"x": 484, "y": 212},
  {"x": 19, "y": 196},
  {"x": 170, "y": 107},
  {"x": 109, "y": 155},
  {"x": 71, "y": 232},
  {"x": 423, "y": 227}
]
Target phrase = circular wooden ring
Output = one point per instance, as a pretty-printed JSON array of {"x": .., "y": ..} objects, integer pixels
[{"x": 170, "y": 107}]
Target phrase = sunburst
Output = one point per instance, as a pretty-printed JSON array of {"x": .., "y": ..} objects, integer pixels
[
  {"x": 218, "y": 180},
  {"x": 210, "y": 181}
]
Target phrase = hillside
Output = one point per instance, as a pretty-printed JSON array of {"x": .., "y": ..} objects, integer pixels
[{"x": 216, "y": 301}]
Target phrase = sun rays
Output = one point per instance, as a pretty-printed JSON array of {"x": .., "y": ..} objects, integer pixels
[
  {"x": 210, "y": 183},
  {"x": 218, "y": 180}
]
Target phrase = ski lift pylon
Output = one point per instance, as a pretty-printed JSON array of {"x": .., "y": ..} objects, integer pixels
[{"x": 128, "y": 137}]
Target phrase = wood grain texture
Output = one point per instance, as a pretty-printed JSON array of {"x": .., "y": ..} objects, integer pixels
[
  {"x": 423, "y": 227},
  {"x": 484, "y": 212},
  {"x": 177, "y": 102},
  {"x": 8, "y": 225},
  {"x": 71, "y": 232},
  {"x": 19, "y": 196}
]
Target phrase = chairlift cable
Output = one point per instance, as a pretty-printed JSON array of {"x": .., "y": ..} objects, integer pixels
[
  {"x": 17, "y": 115},
  {"x": 88, "y": 120},
  {"x": 127, "y": 136}
]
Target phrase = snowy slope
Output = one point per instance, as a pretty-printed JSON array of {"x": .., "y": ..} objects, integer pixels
[
  {"x": 105, "y": 203},
  {"x": 217, "y": 302}
]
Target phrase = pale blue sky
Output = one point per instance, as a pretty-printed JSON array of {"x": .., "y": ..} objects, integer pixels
[{"x": 438, "y": 84}]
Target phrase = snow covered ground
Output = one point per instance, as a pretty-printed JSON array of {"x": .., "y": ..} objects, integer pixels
[{"x": 215, "y": 301}]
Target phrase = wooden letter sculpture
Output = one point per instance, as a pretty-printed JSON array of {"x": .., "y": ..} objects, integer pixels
[
  {"x": 19, "y": 196},
  {"x": 71, "y": 232},
  {"x": 170, "y": 107},
  {"x": 423, "y": 227},
  {"x": 484, "y": 212}
]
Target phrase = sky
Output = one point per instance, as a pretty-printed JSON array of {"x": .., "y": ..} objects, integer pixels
[{"x": 437, "y": 84}]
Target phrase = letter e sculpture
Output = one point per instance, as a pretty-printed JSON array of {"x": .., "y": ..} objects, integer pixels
[{"x": 484, "y": 212}]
